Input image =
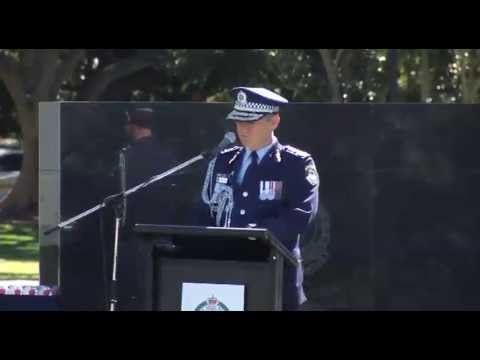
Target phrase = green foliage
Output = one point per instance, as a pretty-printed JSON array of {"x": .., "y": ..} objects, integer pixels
[{"x": 423, "y": 75}]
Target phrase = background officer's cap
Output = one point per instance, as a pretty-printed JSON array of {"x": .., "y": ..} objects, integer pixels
[
  {"x": 253, "y": 103},
  {"x": 141, "y": 117}
]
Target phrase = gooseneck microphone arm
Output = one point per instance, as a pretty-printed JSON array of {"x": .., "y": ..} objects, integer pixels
[{"x": 228, "y": 139}]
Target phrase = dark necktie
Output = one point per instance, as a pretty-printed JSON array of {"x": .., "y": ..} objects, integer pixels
[{"x": 251, "y": 170}]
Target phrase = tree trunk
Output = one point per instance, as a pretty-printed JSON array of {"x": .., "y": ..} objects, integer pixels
[
  {"x": 392, "y": 75},
  {"x": 425, "y": 76},
  {"x": 332, "y": 76}
]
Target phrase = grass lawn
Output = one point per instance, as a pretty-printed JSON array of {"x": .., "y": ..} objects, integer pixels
[{"x": 19, "y": 251}]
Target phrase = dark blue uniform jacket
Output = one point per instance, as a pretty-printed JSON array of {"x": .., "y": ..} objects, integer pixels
[{"x": 282, "y": 197}]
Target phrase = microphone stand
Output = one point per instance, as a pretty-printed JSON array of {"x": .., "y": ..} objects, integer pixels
[{"x": 116, "y": 201}]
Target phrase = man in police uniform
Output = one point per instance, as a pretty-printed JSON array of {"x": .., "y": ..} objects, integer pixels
[
  {"x": 263, "y": 183},
  {"x": 143, "y": 158}
]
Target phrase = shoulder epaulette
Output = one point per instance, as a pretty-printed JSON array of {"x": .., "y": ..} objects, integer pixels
[
  {"x": 296, "y": 152},
  {"x": 229, "y": 150}
]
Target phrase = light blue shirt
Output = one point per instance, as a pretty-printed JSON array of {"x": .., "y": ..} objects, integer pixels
[{"x": 247, "y": 160}]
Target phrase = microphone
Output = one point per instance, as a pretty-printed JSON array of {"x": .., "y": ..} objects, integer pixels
[{"x": 228, "y": 139}]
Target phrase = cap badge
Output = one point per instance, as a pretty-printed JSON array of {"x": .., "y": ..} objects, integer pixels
[{"x": 242, "y": 97}]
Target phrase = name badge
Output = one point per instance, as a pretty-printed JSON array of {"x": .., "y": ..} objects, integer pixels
[
  {"x": 222, "y": 178},
  {"x": 270, "y": 190}
]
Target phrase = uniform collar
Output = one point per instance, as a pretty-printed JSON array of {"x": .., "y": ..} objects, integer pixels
[
  {"x": 262, "y": 151},
  {"x": 271, "y": 150}
]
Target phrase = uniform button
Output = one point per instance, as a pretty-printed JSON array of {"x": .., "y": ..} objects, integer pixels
[
  {"x": 242, "y": 212},
  {"x": 245, "y": 194}
]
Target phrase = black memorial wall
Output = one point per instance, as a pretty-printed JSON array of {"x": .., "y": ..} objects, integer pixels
[{"x": 399, "y": 220}]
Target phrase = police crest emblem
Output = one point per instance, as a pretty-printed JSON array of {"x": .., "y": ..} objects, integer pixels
[
  {"x": 211, "y": 304},
  {"x": 241, "y": 97}
]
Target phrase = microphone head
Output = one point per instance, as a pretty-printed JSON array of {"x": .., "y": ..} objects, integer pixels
[{"x": 228, "y": 139}]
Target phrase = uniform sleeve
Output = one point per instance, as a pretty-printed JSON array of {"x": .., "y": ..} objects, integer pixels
[{"x": 300, "y": 207}]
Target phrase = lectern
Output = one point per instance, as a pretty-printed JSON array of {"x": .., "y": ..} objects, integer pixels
[{"x": 204, "y": 268}]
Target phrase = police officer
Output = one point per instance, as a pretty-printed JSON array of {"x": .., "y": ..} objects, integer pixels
[
  {"x": 143, "y": 158},
  {"x": 263, "y": 183}
]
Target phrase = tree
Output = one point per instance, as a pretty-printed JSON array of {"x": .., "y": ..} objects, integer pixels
[
  {"x": 467, "y": 64},
  {"x": 341, "y": 75},
  {"x": 31, "y": 76}
]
